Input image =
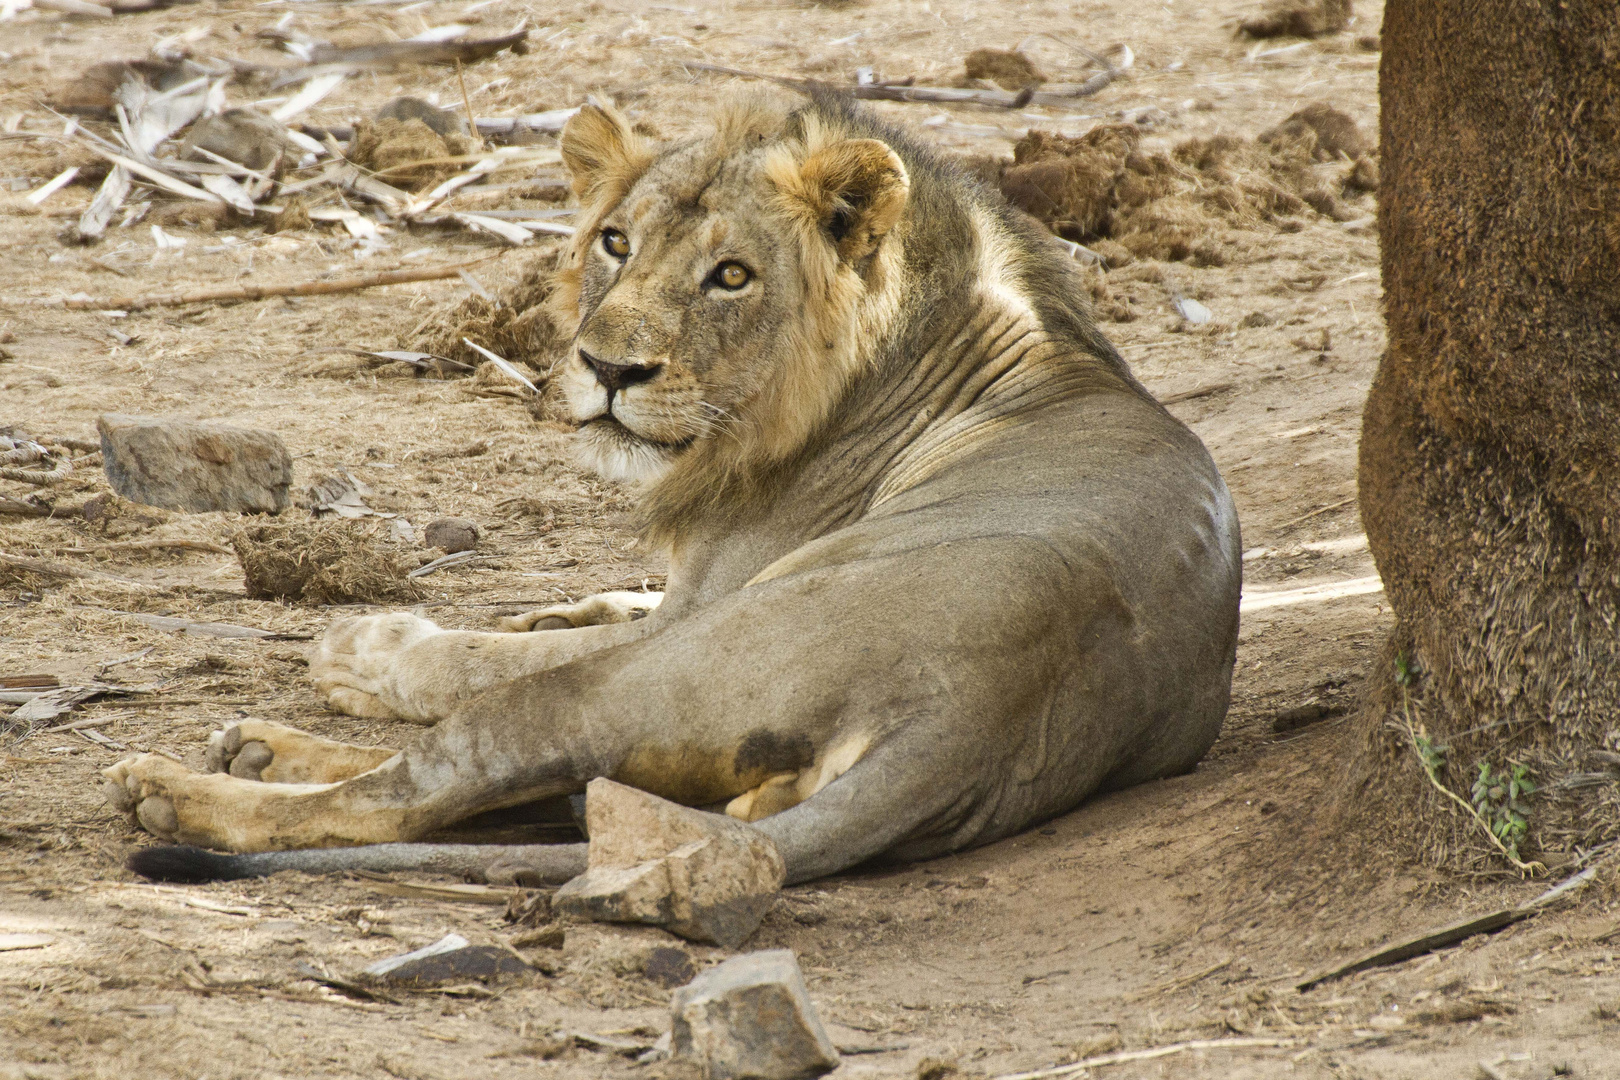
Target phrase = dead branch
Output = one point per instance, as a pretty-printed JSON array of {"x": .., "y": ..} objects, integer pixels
[
  {"x": 205, "y": 629},
  {"x": 1075, "y": 1067},
  {"x": 47, "y": 568},
  {"x": 23, "y": 507},
  {"x": 55, "y": 475},
  {"x": 1452, "y": 933},
  {"x": 416, "y": 52},
  {"x": 262, "y": 292},
  {"x": 939, "y": 95},
  {"x": 146, "y": 545}
]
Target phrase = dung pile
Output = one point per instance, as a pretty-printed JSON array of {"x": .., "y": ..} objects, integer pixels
[
  {"x": 411, "y": 144},
  {"x": 322, "y": 562},
  {"x": 519, "y": 326},
  {"x": 1298, "y": 18},
  {"x": 1177, "y": 204},
  {"x": 1007, "y": 68}
]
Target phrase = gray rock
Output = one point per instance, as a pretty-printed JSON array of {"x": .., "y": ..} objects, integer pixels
[
  {"x": 668, "y": 967},
  {"x": 451, "y": 535},
  {"x": 706, "y": 877},
  {"x": 246, "y": 136},
  {"x": 181, "y": 464},
  {"x": 751, "y": 1017},
  {"x": 442, "y": 121},
  {"x": 450, "y": 959}
]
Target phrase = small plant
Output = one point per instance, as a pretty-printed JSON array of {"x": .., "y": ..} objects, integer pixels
[
  {"x": 1496, "y": 807},
  {"x": 1496, "y": 803},
  {"x": 1431, "y": 754},
  {"x": 1406, "y": 672}
]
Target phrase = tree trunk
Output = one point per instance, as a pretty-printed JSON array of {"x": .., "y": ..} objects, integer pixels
[{"x": 1490, "y": 450}]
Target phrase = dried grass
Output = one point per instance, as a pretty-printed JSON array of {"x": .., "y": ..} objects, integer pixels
[{"x": 322, "y": 562}]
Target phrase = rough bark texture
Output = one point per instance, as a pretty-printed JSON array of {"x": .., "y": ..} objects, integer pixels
[{"x": 1490, "y": 454}]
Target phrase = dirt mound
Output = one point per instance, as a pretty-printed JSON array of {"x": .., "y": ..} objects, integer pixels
[
  {"x": 407, "y": 153},
  {"x": 1293, "y": 18},
  {"x": 322, "y": 562},
  {"x": 1007, "y": 68},
  {"x": 1176, "y": 204},
  {"x": 519, "y": 326}
]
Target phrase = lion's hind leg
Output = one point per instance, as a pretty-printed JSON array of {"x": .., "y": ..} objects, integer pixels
[{"x": 278, "y": 754}]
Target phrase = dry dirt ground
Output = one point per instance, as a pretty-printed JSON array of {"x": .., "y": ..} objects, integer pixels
[{"x": 1180, "y": 910}]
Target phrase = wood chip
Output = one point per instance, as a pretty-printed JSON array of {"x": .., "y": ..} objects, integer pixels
[
  {"x": 460, "y": 894},
  {"x": 17, "y": 942}
]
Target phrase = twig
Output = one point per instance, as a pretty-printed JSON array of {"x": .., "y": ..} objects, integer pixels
[
  {"x": 353, "y": 989},
  {"x": 205, "y": 629},
  {"x": 55, "y": 475},
  {"x": 262, "y": 292},
  {"x": 1318, "y": 510},
  {"x": 416, "y": 52},
  {"x": 22, "y": 507},
  {"x": 1202, "y": 391},
  {"x": 1145, "y": 1055},
  {"x": 946, "y": 95},
  {"x": 456, "y": 558},
  {"x": 94, "y": 721},
  {"x": 61, "y": 570},
  {"x": 466, "y": 102},
  {"x": 145, "y": 545},
  {"x": 1184, "y": 981}
]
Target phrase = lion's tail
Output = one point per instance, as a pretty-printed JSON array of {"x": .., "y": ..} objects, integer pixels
[{"x": 527, "y": 864}]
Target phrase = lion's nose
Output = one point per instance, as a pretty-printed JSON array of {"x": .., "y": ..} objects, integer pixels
[{"x": 615, "y": 377}]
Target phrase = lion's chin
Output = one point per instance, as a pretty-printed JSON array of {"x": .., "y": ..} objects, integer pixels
[{"x": 609, "y": 449}]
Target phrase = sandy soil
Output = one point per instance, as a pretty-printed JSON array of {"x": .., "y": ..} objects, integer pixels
[{"x": 1180, "y": 910}]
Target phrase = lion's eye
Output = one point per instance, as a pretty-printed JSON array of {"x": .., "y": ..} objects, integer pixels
[
  {"x": 730, "y": 275},
  {"x": 615, "y": 243}
]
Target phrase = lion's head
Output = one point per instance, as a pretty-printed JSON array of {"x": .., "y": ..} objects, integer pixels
[{"x": 721, "y": 283}]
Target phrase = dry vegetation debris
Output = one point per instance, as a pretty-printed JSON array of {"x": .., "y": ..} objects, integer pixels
[
  {"x": 513, "y": 320},
  {"x": 332, "y": 561},
  {"x": 1179, "y": 203}
]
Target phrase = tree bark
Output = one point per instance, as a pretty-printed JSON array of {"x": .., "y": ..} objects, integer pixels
[{"x": 1490, "y": 451}]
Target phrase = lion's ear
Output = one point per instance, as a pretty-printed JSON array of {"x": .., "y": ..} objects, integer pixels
[
  {"x": 602, "y": 152},
  {"x": 854, "y": 190}
]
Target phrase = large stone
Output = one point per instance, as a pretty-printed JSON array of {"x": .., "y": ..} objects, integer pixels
[
  {"x": 703, "y": 876},
  {"x": 182, "y": 464},
  {"x": 751, "y": 1017}
]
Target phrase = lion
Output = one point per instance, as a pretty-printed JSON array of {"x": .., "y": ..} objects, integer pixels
[{"x": 939, "y": 566}]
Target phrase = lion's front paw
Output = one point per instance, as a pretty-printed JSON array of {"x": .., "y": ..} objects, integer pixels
[
  {"x": 354, "y": 665},
  {"x": 598, "y": 610},
  {"x": 135, "y": 787}
]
